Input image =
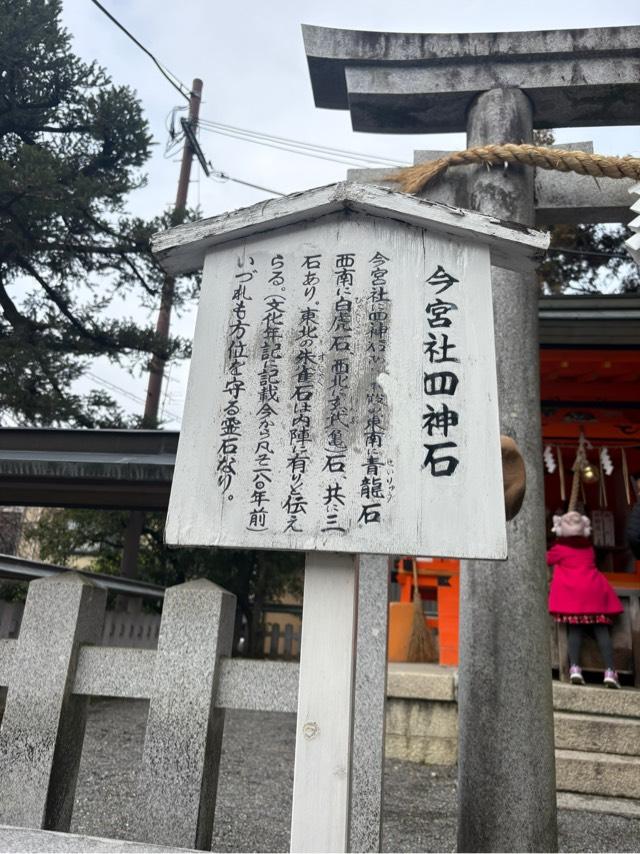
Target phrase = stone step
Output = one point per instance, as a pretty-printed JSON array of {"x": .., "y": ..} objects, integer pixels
[
  {"x": 596, "y": 701},
  {"x": 606, "y": 774},
  {"x": 28, "y": 841},
  {"x": 597, "y": 733},
  {"x": 592, "y": 803}
]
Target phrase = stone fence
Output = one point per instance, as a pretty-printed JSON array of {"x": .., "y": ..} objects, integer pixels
[{"x": 59, "y": 660}]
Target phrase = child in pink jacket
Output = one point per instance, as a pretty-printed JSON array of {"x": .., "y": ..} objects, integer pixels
[{"x": 580, "y": 595}]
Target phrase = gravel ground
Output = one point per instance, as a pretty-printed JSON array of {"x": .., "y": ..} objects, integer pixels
[{"x": 256, "y": 778}]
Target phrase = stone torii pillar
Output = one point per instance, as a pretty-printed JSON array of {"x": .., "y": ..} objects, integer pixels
[{"x": 497, "y": 87}]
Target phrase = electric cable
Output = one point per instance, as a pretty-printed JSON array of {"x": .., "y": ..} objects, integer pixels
[
  {"x": 224, "y": 177},
  {"x": 346, "y": 160},
  {"x": 289, "y": 149},
  {"x": 559, "y": 250},
  {"x": 355, "y": 155},
  {"x": 177, "y": 84},
  {"x": 124, "y": 392}
]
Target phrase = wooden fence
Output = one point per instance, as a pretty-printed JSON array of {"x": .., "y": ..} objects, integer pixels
[
  {"x": 139, "y": 631},
  {"x": 281, "y": 641}
]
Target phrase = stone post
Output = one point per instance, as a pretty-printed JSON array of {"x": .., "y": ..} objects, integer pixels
[
  {"x": 507, "y": 794},
  {"x": 369, "y": 703},
  {"x": 43, "y": 725},
  {"x": 179, "y": 776}
]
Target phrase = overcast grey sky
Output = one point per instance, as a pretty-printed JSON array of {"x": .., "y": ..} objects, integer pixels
[{"x": 251, "y": 58}]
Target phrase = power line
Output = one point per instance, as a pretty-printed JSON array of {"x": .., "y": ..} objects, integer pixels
[
  {"x": 124, "y": 392},
  {"x": 313, "y": 145},
  {"x": 169, "y": 75},
  {"x": 287, "y": 148},
  {"x": 345, "y": 160},
  {"x": 303, "y": 148},
  {"x": 175, "y": 138},
  {"x": 341, "y": 152},
  {"x": 559, "y": 250},
  {"x": 215, "y": 173},
  {"x": 224, "y": 177}
]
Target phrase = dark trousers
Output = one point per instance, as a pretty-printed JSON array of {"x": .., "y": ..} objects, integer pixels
[{"x": 603, "y": 637}]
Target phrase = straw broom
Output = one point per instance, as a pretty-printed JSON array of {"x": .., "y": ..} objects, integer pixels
[{"x": 422, "y": 643}]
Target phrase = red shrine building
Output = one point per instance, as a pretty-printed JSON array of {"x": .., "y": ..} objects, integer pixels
[{"x": 589, "y": 383}]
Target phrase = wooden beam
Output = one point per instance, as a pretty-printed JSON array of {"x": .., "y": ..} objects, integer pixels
[{"x": 182, "y": 249}]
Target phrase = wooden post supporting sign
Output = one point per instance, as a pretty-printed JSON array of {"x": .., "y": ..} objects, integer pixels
[{"x": 325, "y": 705}]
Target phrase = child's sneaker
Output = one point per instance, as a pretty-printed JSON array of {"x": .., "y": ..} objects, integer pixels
[
  {"x": 575, "y": 675},
  {"x": 611, "y": 679}
]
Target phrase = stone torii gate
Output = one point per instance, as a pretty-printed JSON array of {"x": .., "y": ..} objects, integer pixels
[{"x": 498, "y": 87}]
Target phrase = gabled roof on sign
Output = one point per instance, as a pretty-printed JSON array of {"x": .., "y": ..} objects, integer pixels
[{"x": 182, "y": 249}]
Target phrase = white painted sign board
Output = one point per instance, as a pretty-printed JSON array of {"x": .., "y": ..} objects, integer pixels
[{"x": 342, "y": 394}]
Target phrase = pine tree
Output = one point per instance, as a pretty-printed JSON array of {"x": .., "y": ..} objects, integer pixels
[
  {"x": 589, "y": 259},
  {"x": 72, "y": 145}
]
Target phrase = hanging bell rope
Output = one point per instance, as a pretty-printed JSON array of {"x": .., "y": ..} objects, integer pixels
[
  {"x": 563, "y": 489},
  {"x": 578, "y": 465},
  {"x": 413, "y": 179},
  {"x": 625, "y": 475},
  {"x": 603, "y": 489}
]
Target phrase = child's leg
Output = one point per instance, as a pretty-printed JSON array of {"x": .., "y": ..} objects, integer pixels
[
  {"x": 603, "y": 636},
  {"x": 574, "y": 642}
]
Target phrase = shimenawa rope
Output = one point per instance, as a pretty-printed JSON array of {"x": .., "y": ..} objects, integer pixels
[{"x": 413, "y": 179}]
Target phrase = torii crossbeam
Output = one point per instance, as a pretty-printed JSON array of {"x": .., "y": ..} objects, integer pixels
[{"x": 427, "y": 82}]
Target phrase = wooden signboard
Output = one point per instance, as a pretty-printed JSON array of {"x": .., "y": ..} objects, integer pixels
[
  {"x": 342, "y": 394},
  {"x": 342, "y": 398}
]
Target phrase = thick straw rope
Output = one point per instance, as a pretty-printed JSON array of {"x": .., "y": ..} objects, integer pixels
[
  {"x": 581, "y": 459},
  {"x": 413, "y": 179}
]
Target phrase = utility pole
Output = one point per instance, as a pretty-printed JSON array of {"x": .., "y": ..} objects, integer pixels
[
  {"x": 131, "y": 546},
  {"x": 157, "y": 365}
]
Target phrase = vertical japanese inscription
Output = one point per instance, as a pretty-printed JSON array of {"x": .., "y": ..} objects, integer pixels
[
  {"x": 234, "y": 380},
  {"x": 376, "y": 485},
  {"x": 439, "y": 418},
  {"x": 270, "y": 333},
  {"x": 305, "y": 377},
  {"x": 339, "y": 417}
]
